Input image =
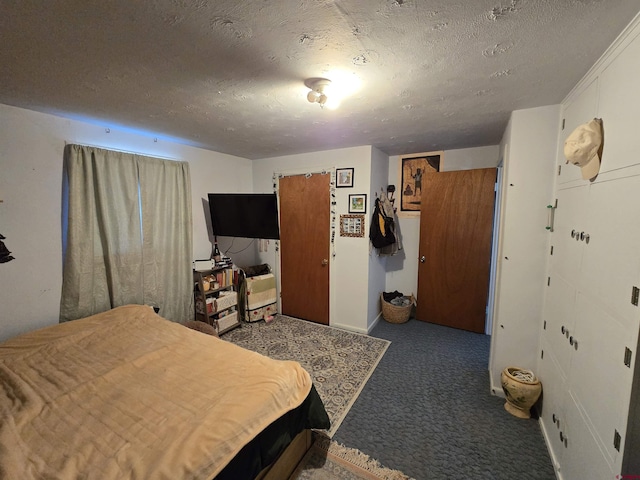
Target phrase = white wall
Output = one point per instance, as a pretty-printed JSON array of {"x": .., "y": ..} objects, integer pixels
[
  {"x": 470, "y": 158},
  {"x": 31, "y": 149},
  {"x": 377, "y": 264},
  {"x": 402, "y": 269},
  {"x": 348, "y": 307},
  {"x": 529, "y": 149}
]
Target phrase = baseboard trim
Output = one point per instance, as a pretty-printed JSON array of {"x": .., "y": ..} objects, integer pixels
[
  {"x": 350, "y": 328},
  {"x": 496, "y": 390},
  {"x": 374, "y": 323}
]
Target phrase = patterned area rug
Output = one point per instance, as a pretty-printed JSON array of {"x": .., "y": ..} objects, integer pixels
[
  {"x": 339, "y": 362},
  {"x": 328, "y": 460}
]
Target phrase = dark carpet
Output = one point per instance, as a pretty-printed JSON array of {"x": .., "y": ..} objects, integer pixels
[{"x": 427, "y": 410}]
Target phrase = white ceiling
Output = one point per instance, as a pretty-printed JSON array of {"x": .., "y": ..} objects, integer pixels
[{"x": 228, "y": 75}]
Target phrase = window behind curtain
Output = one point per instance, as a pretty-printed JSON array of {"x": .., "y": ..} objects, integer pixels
[{"x": 128, "y": 234}]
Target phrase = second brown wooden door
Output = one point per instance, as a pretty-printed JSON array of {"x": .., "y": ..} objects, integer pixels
[
  {"x": 456, "y": 224},
  {"x": 304, "y": 244}
]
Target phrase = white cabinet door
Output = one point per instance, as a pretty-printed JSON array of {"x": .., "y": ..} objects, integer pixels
[
  {"x": 582, "y": 457},
  {"x": 599, "y": 380},
  {"x": 551, "y": 404},
  {"x": 619, "y": 106},
  {"x": 582, "y": 109},
  {"x": 558, "y": 321},
  {"x": 611, "y": 259},
  {"x": 570, "y": 216}
]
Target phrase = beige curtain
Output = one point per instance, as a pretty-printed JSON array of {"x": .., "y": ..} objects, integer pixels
[{"x": 129, "y": 234}]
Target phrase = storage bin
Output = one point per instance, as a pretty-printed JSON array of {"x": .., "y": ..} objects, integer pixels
[{"x": 396, "y": 313}]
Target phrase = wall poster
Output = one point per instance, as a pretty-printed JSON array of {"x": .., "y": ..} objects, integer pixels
[{"x": 412, "y": 169}]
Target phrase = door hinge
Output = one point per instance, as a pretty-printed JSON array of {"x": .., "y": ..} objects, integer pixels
[
  {"x": 635, "y": 295},
  {"x": 548, "y": 281},
  {"x": 551, "y": 250},
  {"x": 542, "y": 354},
  {"x": 627, "y": 356},
  {"x": 616, "y": 440},
  {"x": 563, "y": 123},
  {"x": 559, "y": 169},
  {"x": 544, "y": 326}
]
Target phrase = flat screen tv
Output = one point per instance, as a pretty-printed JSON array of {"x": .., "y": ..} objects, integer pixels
[{"x": 249, "y": 215}]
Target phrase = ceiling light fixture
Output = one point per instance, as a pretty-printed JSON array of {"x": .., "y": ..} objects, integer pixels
[{"x": 319, "y": 89}]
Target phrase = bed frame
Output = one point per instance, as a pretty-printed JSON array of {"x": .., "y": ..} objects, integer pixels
[{"x": 288, "y": 460}]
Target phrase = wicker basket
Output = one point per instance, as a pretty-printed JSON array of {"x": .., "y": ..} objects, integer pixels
[{"x": 396, "y": 313}]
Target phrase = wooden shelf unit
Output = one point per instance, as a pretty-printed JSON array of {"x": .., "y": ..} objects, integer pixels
[{"x": 211, "y": 303}]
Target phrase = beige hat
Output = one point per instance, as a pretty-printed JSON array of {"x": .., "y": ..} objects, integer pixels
[{"x": 582, "y": 146}]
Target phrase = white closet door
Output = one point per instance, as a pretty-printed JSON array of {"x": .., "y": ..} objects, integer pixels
[
  {"x": 569, "y": 216},
  {"x": 619, "y": 106},
  {"x": 553, "y": 393},
  {"x": 599, "y": 380},
  {"x": 581, "y": 110},
  {"x": 559, "y": 321},
  {"x": 611, "y": 259},
  {"x": 582, "y": 458}
]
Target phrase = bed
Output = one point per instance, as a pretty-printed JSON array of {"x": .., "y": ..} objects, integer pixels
[{"x": 126, "y": 394}]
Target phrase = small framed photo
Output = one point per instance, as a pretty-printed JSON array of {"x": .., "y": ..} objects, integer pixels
[
  {"x": 352, "y": 225},
  {"x": 344, "y": 177},
  {"x": 358, "y": 203}
]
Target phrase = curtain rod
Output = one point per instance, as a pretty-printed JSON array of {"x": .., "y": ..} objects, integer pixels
[{"x": 124, "y": 151}]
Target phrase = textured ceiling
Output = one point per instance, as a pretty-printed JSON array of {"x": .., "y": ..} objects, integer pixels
[{"x": 228, "y": 75}]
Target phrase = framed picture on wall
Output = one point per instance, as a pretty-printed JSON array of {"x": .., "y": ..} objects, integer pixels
[
  {"x": 412, "y": 170},
  {"x": 344, "y": 177},
  {"x": 358, "y": 203},
  {"x": 352, "y": 225}
]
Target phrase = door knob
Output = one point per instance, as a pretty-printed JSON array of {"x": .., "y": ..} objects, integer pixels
[
  {"x": 325, "y": 262},
  {"x": 422, "y": 259}
]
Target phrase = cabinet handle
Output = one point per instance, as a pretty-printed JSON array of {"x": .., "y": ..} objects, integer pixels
[
  {"x": 571, "y": 340},
  {"x": 581, "y": 235},
  {"x": 562, "y": 329},
  {"x": 564, "y": 440},
  {"x": 573, "y": 234},
  {"x": 586, "y": 238}
]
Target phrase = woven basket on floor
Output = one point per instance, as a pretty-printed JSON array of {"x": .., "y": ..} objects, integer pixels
[{"x": 396, "y": 313}]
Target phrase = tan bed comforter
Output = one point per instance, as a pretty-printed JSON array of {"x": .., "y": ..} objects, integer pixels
[{"x": 127, "y": 395}]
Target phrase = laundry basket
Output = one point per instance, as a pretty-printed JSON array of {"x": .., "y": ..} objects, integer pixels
[{"x": 396, "y": 313}]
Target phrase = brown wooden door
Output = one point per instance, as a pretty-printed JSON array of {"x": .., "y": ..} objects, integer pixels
[
  {"x": 456, "y": 223},
  {"x": 304, "y": 243}
]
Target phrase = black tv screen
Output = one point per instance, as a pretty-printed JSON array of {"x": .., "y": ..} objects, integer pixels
[{"x": 249, "y": 215}]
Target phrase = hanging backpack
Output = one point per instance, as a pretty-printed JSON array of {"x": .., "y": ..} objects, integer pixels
[{"x": 381, "y": 229}]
